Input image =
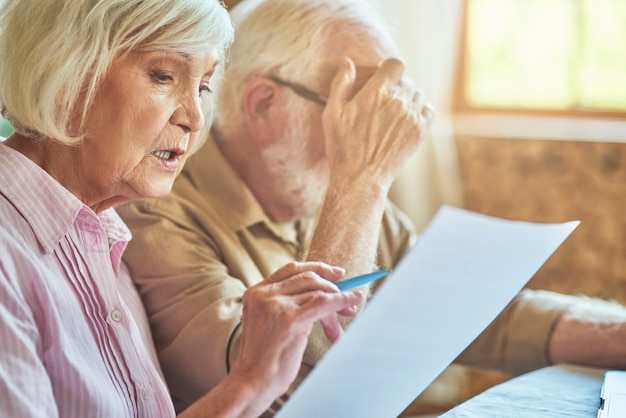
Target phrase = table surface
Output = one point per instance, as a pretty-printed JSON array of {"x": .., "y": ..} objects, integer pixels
[{"x": 556, "y": 391}]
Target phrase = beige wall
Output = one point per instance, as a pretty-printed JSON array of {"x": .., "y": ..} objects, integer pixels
[{"x": 554, "y": 181}]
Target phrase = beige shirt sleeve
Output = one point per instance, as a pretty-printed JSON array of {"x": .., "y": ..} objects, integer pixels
[{"x": 517, "y": 340}]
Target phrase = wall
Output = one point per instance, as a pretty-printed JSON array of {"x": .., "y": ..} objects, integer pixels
[{"x": 554, "y": 181}]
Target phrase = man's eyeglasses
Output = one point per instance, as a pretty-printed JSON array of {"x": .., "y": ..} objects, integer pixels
[{"x": 300, "y": 90}]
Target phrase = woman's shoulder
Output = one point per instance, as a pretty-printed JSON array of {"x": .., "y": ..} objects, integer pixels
[{"x": 16, "y": 233}]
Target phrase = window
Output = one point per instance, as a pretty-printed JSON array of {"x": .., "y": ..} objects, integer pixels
[
  {"x": 5, "y": 128},
  {"x": 560, "y": 56}
]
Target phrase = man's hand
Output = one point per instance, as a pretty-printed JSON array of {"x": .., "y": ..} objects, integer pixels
[{"x": 370, "y": 134}]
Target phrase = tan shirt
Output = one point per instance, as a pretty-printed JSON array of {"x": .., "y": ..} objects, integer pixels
[{"x": 194, "y": 253}]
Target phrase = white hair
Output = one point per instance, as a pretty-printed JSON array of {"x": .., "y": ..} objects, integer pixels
[
  {"x": 289, "y": 39},
  {"x": 54, "y": 53}
]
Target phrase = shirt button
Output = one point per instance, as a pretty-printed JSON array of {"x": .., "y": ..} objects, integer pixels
[
  {"x": 116, "y": 315},
  {"x": 144, "y": 394}
]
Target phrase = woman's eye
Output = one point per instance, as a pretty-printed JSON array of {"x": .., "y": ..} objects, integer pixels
[
  {"x": 204, "y": 88},
  {"x": 162, "y": 78}
]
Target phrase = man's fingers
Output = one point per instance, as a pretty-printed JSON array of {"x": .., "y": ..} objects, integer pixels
[
  {"x": 387, "y": 78},
  {"x": 343, "y": 82},
  {"x": 418, "y": 99},
  {"x": 428, "y": 112}
]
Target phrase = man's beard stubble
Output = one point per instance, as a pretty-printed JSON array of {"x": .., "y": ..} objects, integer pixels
[{"x": 299, "y": 180}]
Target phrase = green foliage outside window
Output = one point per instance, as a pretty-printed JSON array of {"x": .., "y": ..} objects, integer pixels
[
  {"x": 5, "y": 128},
  {"x": 546, "y": 54}
]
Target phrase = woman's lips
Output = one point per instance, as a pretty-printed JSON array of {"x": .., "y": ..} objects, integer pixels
[{"x": 169, "y": 158}]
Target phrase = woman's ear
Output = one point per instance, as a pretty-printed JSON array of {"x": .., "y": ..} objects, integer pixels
[{"x": 262, "y": 110}]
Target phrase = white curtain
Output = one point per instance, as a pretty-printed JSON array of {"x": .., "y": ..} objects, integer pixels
[{"x": 428, "y": 33}]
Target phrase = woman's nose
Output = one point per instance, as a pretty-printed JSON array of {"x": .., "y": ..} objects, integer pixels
[{"x": 189, "y": 114}]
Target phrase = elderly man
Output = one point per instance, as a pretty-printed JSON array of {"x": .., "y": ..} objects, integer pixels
[{"x": 297, "y": 166}]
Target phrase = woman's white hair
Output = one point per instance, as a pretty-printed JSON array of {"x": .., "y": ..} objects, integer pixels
[
  {"x": 290, "y": 39},
  {"x": 54, "y": 53}
]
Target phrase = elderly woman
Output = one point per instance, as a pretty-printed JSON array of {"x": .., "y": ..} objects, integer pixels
[{"x": 106, "y": 100}]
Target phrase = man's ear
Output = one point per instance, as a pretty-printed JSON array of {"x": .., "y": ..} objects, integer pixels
[{"x": 261, "y": 97}]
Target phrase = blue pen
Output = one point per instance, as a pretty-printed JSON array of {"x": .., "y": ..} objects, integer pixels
[{"x": 361, "y": 280}]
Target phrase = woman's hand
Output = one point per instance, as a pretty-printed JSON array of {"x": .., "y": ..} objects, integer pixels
[{"x": 278, "y": 315}]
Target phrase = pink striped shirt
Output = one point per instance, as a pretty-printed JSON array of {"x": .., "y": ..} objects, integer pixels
[{"x": 74, "y": 338}]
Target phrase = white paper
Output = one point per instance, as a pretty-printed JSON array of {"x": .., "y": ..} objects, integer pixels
[{"x": 464, "y": 270}]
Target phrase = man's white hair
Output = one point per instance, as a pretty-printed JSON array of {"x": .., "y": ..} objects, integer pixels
[{"x": 290, "y": 39}]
